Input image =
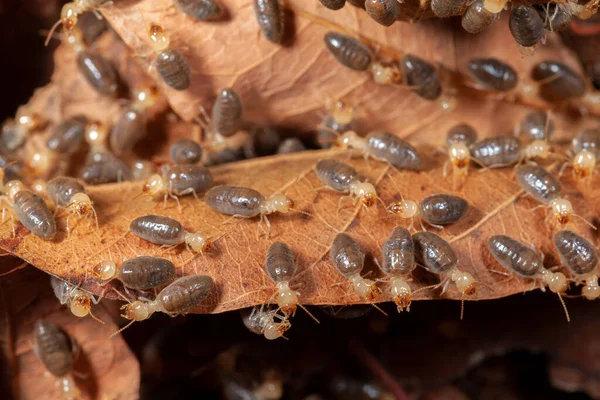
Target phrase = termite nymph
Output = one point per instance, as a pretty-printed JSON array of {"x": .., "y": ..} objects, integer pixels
[
  {"x": 15, "y": 132},
  {"x": 78, "y": 301},
  {"x": 70, "y": 12},
  {"x": 141, "y": 273},
  {"x": 172, "y": 66},
  {"x": 70, "y": 194},
  {"x": 169, "y": 232},
  {"x": 577, "y": 253},
  {"x": 31, "y": 210},
  {"x": 398, "y": 261},
  {"x": 436, "y": 210},
  {"x": 178, "y": 180},
  {"x": 458, "y": 140},
  {"x": 341, "y": 177},
  {"x": 526, "y": 26},
  {"x": 262, "y": 322}
]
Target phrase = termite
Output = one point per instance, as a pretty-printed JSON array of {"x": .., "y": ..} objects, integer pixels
[
  {"x": 422, "y": 76},
  {"x": 537, "y": 125},
  {"x": 557, "y": 17},
  {"x": 262, "y": 322},
  {"x": 333, "y": 4},
  {"x": 461, "y": 134},
  {"x": 339, "y": 119},
  {"x": 436, "y": 210},
  {"x": 586, "y": 147},
  {"x": 526, "y": 26},
  {"x": 71, "y": 194},
  {"x": 458, "y": 139},
  {"x": 15, "y": 132},
  {"x": 341, "y": 177},
  {"x": 107, "y": 168},
  {"x": 577, "y": 253},
  {"x": 438, "y": 257},
  {"x": 477, "y": 17},
  {"x": 78, "y": 301},
  {"x": 171, "y": 65},
  {"x": 96, "y": 69},
  {"x": 142, "y": 169},
  {"x": 70, "y": 12},
  {"x": 178, "y": 180},
  {"x": 503, "y": 151},
  {"x": 545, "y": 188},
  {"x": 140, "y": 273},
  {"x": 203, "y": 10},
  {"x": 92, "y": 25},
  {"x": 169, "y": 232},
  {"x": 348, "y": 259},
  {"x": 31, "y": 210},
  {"x": 527, "y": 263},
  {"x": 291, "y": 145},
  {"x": 270, "y": 18},
  {"x": 448, "y": 8},
  {"x": 243, "y": 202},
  {"x": 398, "y": 261},
  {"x": 261, "y": 142},
  {"x": 55, "y": 348},
  {"x": 67, "y": 136},
  {"x": 185, "y": 151},
  {"x": 131, "y": 127},
  {"x": 558, "y": 82},
  {"x": 384, "y": 12},
  {"x": 222, "y": 128},
  {"x": 492, "y": 74}
]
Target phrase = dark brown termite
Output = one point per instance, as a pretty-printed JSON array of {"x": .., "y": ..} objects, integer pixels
[
  {"x": 130, "y": 128},
  {"x": 477, "y": 18},
  {"x": 168, "y": 232},
  {"x": 384, "y": 12},
  {"x": 172, "y": 66},
  {"x": 422, "y": 76},
  {"x": 54, "y": 348},
  {"x": 558, "y": 82},
  {"x": 341, "y": 177},
  {"x": 16, "y": 132},
  {"x": 333, "y": 4},
  {"x": 31, "y": 210},
  {"x": 78, "y": 301},
  {"x": 178, "y": 180},
  {"x": 185, "y": 151},
  {"x": 67, "y": 136},
  {"x": 262, "y": 322},
  {"x": 140, "y": 273},
  {"x": 291, "y": 145},
  {"x": 96, "y": 69},
  {"x": 203, "y": 10},
  {"x": 577, "y": 253},
  {"x": 526, "y": 25},
  {"x": 398, "y": 261},
  {"x": 348, "y": 259},
  {"x": 71, "y": 194},
  {"x": 269, "y": 16},
  {"x": 436, "y": 210},
  {"x": 537, "y": 125},
  {"x": 527, "y": 263},
  {"x": 493, "y": 74},
  {"x": 447, "y": 8}
]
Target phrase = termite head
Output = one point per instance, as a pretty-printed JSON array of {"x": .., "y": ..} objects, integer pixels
[
  {"x": 364, "y": 192},
  {"x": 197, "y": 242},
  {"x": 591, "y": 290},
  {"x": 401, "y": 292},
  {"x": 278, "y": 203},
  {"x": 96, "y": 133},
  {"x": 29, "y": 121},
  {"x": 39, "y": 163},
  {"x": 341, "y": 112},
  {"x": 106, "y": 270},
  {"x": 38, "y": 186},
  {"x": 160, "y": 39},
  {"x": 385, "y": 74},
  {"x": 80, "y": 204},
  {"x": 12, "y": 188},
  {"x": 538, "y": 149},
  {"x": 287, "y": 298},
  {"x": 137, "y": 311},
  {"x": 494, "y": 6},
  {"x": 274, "y": 330},
  {"x": 70, "y": 12},
  {"x": 556, "y": 281},
  {"x": 348, "y": 139},
  {"x": 81, "y": 305},
  {"x": 562, "y": 210},
  {"x": 154, "y": 185},
  {"x": 404, "y": 209},
  {"x": 465, "y": 283},
  {"x": 146, "y": 97},
  {"x": 460, "y": 155},
  {"x": 365, "y": 288},
  {"x": 584, "y": 163}
]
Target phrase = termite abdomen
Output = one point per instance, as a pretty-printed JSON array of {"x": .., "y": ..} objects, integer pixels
[
  {"x": 576, "y": 252},
  {"x": 280, "y": 262},
  {"x": 560, "y": 82},
  {"x": 185, "y": 177},
  {"x": 447, "y": 8},
  {"x": 443, "y": 209},
  {"x": 539, "y": 183},
  {"x": 333, "y": 4},
  {"x": 234, "y": 200},
  {"x": 227, "y": 112},
  {"x": 53, "y": 347},
  {"x": 515, "y": 256},
  {"x": 68, "y": 135},
  {"x": 384, "y": 12},
  {"x": 398, "y": 252},
  {"x": 270, "y": 19},
  {"x": 477, "y": 18},
  {"x": 536, "y": 126},
  {"x": 336, "y": 174},
  {"x": 185, "y": 293},
  {"x": 421, "y": 74},
  {"x": 204, "y": 10},
  {"x": 174, "y": 68},
  {"x": 91, "y": 26},
  {"x": 434, "y": 253},
  {"x": 493, "y": 74},
  {"x": 129, "y": 129},
  {"x": 346, "y": 255},
  {"x": 62, "y": 188},
  {"x": 98, "y": 71},
  {"x": 106, "y": 169},
  {"x": 145, "y": 272},
  {"x": 185, "y": 151},
  {"x": 348, "y": 51},
  {"x": 526, "y": 25},
  {"x": 500, "y": 151},
  {"x": 34, "y": 214},
  {"x": 461, "y": 134},
  {"x": 290, "y": 145},
  {"x": 394, "y": 150},
  {"x": 589, "y": 140},
  {"x": 158, "y": 229}
]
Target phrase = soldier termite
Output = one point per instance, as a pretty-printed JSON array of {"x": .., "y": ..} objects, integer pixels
[
  {"x": 176, "y": 299},
  {"x": 203, "y": 10},
  {"x": 55, "y": 348},
  {"x": 339, "y": 119},
  {"x": 536, "y": 125},
  {"x": 333, "y": 4},
  {"x": 15, "y": 132},
  {"x": 577, "y": 253},
  {"x": 398, "y": 261},
  {"x": 168, "y": 232},
  {"x": 67, "y": 136},
  {"x": 96, "y": 69},
  {"x": 438, "y": 257},
  {"x": 477, "y": 17},
  {"x": 270, "y": 18},
  {"x": 384, "y": 12},
  {"x": 70, "y": 12},
  {"x": 348, "y": 259},
  {"x": 31, "y": 210},
  {"x": 436, "y": 210},
  {"x": 448, "y": 8},
  {"x": 78, "y": 301},
  {"x": 171, "y": 65},
  {"x": 558, "y": 82},
  {"x": 131, "y": 125},
  {"x": 526, "y": 26},
  {"x": 185, "y": 151},
  {"x": 341, "y": 177},
  {"x": 545, "y": 188},
  {"x": 140, "y": 273},
  {"x": 178, "y": 180},
  {"x": 243, "y": 202},
  {"x": 262, "y": 322},
  {"x": 527, "y": 263},
  {"x": 291, "y": 145},
  {"x": 70, "y": 194}
]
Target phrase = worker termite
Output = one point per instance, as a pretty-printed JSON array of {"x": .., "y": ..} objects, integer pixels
[
  {"x": 438, "y": 257},
  {"x": 492, "y": 74},
  {"x": 586, "y": 146},
  {"x": 105, "y": 168},
  {"x": 222, "y": 129},
  {"x": 422, "y": 76},
  {"x": 92, "y": 26},
  {"x": 31, "y": 210},
  {"x": 131, "y": 124},
  {"x": 78, "y": 301},
  {"x": 55, "y": 348},
  {"x": 526, "y": 26},
  {"x": 140, "y": 273},
  {"x": 477, "y": 17},
  {"x": 243, "y": 202},
  {"x": 15, "y": 132},
  {"x": 291, "y": 145},
  {"x": 341, "y": 177},
  {"x": 384, "y": 12},
  {"x": 70, "y": 194},
  {"x": 185, "y": 151},
  {"x": 70, "y": 12},
  {"x": 458, "y": 139},
  {"x": 545, "y": 188},
  {"x": 96, "y": 69},
  {"x": 176, "y": 299},
  {"x": 339, "y": 119},
  {"x": 171, "y": 65},
  {"x": 270, "y": 18},
  {"x": 436, "y": 210},
  {"x": 448, "y": 8},
  {"x": 333, "y": 4},
  {"x": 589, "y": 140},
  {"x": 178, "y": 180},
  {"x": 527, "y": 263},
  {"x": 203, "y": 10},
  {"x": 461, "y": 134},
  {"x": 536, "y": 125},
  {"x": 67, "y": 136},
  {"x": 348, "y": 259},
  {"x": 497, "y": 152},
  {"x": 577, "y": 253},
  {"x": 168, "y": 232},
  {"x": 262, "y": 322},
  {"x": 558, "y": 82},
  {"x": 398, "y": 261}
]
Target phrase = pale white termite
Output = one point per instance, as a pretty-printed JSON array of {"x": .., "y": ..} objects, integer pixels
[
  {"x": 341, "y": 177},
  {"x": 262, "y": 322},
  {"x": 71, "y": 194},
  {"x": 168, "y": 232},
  {"x": 78, "y": 301}
]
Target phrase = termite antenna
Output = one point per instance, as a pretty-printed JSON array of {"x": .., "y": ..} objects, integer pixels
[
  {"x": 301, "y": 211},
  {"x": 51, "y": 32},
  {"x": 308, "y": 312},
  {"x": 18, "y": 267},
  {"x": 562, "y": 301},
  {"x": 379, "y": 309},
  {"x": 586, "y": 221},
  {"x": 96, "y": 318},
  {"x": 462, "y": 308},
  {"x": 121, "y": 330}
]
